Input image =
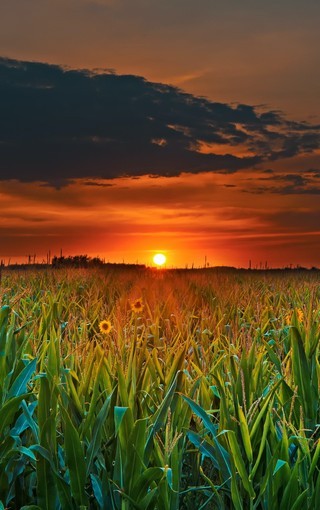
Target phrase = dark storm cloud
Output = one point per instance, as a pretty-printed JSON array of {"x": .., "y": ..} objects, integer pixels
[{"x": 59, "y": 124}]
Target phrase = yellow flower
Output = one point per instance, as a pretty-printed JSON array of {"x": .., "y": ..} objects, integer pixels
[
  {"x": 288, "y": 318},
  {"x": 137, "y": 306},
  {"x": 300, "y": 315},
  {"x": 105, "y": 327}
]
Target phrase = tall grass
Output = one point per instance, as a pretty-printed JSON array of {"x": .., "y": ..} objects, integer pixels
[{"x": 207, "y": 398}]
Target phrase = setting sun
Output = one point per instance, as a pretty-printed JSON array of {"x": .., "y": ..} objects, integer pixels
[{"x": 159, "y": 259}]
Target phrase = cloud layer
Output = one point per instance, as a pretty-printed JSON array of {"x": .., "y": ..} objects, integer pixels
[
  {"x": 188, "y": 217},
  {"x": 59, "y": 124}
]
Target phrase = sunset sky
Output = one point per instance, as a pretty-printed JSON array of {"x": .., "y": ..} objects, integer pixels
[{"x": 190, "y": 127}]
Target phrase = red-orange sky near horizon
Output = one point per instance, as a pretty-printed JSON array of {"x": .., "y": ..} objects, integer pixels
[{"x": 218, "y": 221}]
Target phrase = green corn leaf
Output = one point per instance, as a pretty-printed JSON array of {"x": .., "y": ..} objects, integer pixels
[
  {"x": 280, "y": 477},
  {"x": 274, "y": 358},
  {"x": 96, "y": 394},
  {"x": 266, "y": 426},
  {"x": 8, "y": 410},
  {"x": 74, "y": 460},
  {"x": 145, "y": 481},
  {"x": 31, "y": 507},
  {"x": 235, "y": 493},
  {"x": 63, "y": 488},
  {"x": 19, "y": 386},
  {"x": 44, "y": 453},
  {"x": 159, "y": 416},
  {"x": 300, "y": 502},
  {"x": 29, "y": 419},
  {"x": 245, "y": 434},
  {"x": 97, "y": 489},
  {"x": 97, "y": 431},
  {"x": 291, "y": 492},
  {"x": 27, "y": 452},
  {"x": 215, "y": 490},
  {"x": 266, "y": 481},
  {"x": 316, "y": 494},
  {"x": 119, "y": 413},
  {"x": 133, "y": 504},
  {"x": 4, "y": 317},
  {"x": 237, "y": 459},
  {"x": 6, "y": 447},
  {"x": 46, "y": 491},
  {"x": 134, "y": 460},
  {"x": 168, "y": 474},
  {"x": 302, "y": 376},
  {"x": 177, "y": 365},
  {"x": 122, "y": 387},
  {"x": 145, "y": 503},
  {"x": 204, "y": 447},
  {"x": 222, "y": 455},
  {"x": 314, "y": 462},
  {"x": 46, "y": 487},
  {"x": 263, "y": 411},
  {"x": 280, "y": 463}
]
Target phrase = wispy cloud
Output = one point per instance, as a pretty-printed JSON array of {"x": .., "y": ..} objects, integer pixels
[{"x": 306, "y": 182}]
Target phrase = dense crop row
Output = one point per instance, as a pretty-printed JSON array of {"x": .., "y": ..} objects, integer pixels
[{"x": 205, "y": 394}]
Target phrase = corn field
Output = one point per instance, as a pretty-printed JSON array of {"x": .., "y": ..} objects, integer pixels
[{"x": 153, "y": 389}]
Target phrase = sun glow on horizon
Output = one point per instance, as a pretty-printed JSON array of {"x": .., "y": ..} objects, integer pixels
[{"x": 159, "y": 259}]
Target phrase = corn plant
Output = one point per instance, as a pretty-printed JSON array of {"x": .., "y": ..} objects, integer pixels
[{"x": 205, "y": 394}]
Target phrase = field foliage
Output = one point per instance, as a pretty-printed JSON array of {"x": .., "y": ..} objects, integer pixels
[{"x": 204, "y": 395}]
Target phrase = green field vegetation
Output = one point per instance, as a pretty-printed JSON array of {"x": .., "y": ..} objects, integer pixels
[{"x": 206, "y": 396}]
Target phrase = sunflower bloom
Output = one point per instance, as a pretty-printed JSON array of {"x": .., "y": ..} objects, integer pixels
[
  {"x": 300, "y": 315},
  {"x": 137, "y": 306},
  {"x": 288, "y": 318},
  {"x": 105, "y": 327}
]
